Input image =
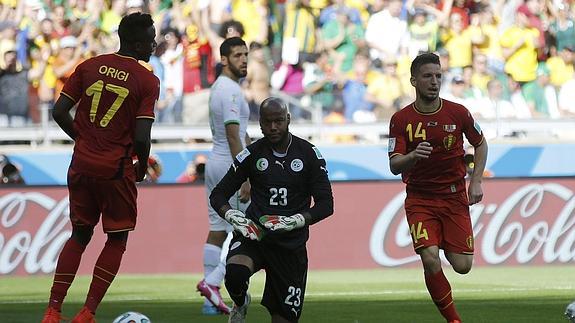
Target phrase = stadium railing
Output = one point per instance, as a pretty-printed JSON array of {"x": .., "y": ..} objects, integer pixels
[{"x": 533, "y": 130}]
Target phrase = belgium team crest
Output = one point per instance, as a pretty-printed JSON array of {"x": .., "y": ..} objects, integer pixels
[{"x": 449, "y": 141}]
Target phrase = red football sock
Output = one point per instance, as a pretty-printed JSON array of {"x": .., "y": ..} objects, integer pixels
[
  {"x": 104, "y": 272},
  {"x": 68, "y": 263},
  {"x": 440, "y": 292}
]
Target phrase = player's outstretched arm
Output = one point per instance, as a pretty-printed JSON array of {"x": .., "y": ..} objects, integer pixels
[{"x": 61, "y": 114}]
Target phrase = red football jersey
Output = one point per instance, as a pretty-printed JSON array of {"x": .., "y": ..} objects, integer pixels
[
  {"x": 112, "y": 91},
  {"x": 444, "y": 171}
]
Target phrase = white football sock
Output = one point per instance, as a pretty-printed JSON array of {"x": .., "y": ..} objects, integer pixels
[
  {"x": 211, "y": 262},
  {"x": 217, "y": 275}
]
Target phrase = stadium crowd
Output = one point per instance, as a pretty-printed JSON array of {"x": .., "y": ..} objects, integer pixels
[{"x": 500, "y": 58}]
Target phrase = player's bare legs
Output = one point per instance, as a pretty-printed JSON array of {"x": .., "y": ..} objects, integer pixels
[
  {"x": 437, "y": 283},
  {"x": 461, "y": 263}
]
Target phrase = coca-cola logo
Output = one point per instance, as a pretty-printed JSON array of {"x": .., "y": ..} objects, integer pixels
[
  {"x": 19, "y": 244},
  {"x": 534, "y": 223}
]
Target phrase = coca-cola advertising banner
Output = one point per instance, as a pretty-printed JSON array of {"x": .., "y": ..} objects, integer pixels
[{"x": 519, "y": 222}]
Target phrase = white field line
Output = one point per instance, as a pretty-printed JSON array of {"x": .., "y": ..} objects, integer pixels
[{"x": 325, "y": 294}]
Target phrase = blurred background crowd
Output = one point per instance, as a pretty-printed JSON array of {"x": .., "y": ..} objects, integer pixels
[{"x": 503, "y": 59}]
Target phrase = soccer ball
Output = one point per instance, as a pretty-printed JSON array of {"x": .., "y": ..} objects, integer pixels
[
  {"x": 132, "y": 317},
  {"x": 570, "y": 312}
]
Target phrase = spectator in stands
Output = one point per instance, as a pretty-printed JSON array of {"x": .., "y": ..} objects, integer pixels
[
  {"x": 534, "y": 11},
  {"x": 158, "y": 70},
  {"x": 111, "y": 18},
  {"x": 10, "y": 173},
  {"x": 354, "y": 89},
  {"x": 69, "y": 56},
  {"x": 562, "y": 28},
  {"x": 561, "y": 66},
  {"x": 385, "y": 91},
  {"x": 522, "y": 109},
  {"x": 459, "y": 41},
  {"x": 154, "y": 170},
  {"x": 319, "y": 81},
  {"x": 198, "y": 72},
  {"x": 289, "y": 79},
  {"x": 300, "y": 28},
  {"x": 344, "y": 38},
  {"x": 257, "y": 83},
  {"x": 487, "y": 33},
  {"x": 456, "y": 90},
  {"x": 540, "y": 95},
  {"x": 480, "y": 73},
  {"x": 422, "y": 33},
  {"x": 134, "y": 6},
  {"x": 386, "y": 33},
  {"x": 253, "y": 15},
  {"x": 195, "y": 171},
  {"x": 494, "y": 105},
  {"x": 519, "y": 44},
  {"x": 337, "y": 7},
  {"x": 13, "y": 87},
  {"x": 173, "y": 61}
]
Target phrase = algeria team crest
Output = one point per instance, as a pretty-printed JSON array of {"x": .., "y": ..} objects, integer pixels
[
  {"x": 296, "y": 165},
  {"x": 262, "y": 164}
]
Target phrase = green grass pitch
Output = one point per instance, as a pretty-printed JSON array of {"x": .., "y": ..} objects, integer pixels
[{"x": 487, "y": 294}]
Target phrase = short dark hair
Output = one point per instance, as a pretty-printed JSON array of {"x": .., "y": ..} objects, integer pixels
[
  {"x": 133, "y": 27},
  {"x": 422, "y": 59},
  {"x": 226, "y": 46},
  {"x": 234, "y": 24}
]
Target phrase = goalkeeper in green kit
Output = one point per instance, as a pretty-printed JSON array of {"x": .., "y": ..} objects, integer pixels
[{"x": 285, "y": 173}]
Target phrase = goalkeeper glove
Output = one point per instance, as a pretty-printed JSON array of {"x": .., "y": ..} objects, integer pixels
[
  {"x": 283, "y": 223},
  {"x": 243, "y": 225}
]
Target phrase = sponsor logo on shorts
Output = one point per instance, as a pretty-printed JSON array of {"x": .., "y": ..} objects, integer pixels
[
  {"x": 432, "y": 124},
  {"x": 262, "y": 164},
  {"x": 296, "y": 165}
]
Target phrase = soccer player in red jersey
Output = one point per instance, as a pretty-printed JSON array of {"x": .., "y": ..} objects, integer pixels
[
  {"x": 426, "y": 147},
  {"x": 115, "y": 97}
]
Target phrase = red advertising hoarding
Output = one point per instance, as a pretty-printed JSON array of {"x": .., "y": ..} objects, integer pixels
[{"x": 519, "y": 222}]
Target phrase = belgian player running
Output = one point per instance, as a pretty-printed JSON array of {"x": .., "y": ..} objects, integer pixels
[
  {"x": 115, "y": 97},
  {"x": 285, "y": 173},
  {"x": 426, "y": 147}
]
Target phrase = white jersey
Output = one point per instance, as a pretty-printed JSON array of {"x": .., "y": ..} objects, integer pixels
[{"x": 227, "y": 105}]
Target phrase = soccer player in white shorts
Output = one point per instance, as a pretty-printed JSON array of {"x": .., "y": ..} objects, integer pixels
[{"x": 229, "y": 115}]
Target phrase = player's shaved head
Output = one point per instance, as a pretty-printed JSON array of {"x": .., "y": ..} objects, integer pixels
[
  {"x": 274, "y": 120},
  {"x": 273, "y": 104}
]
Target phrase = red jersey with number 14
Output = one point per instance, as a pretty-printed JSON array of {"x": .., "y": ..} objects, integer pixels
[
  {"x": 113, "y": 91},
  {"x": 444, "y": 171}
]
